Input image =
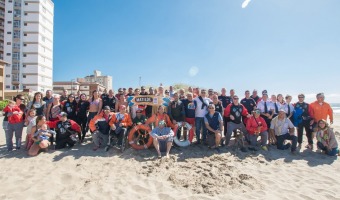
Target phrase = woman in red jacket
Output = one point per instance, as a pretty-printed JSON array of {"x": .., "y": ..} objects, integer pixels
[{"x": 256, "y": 126}]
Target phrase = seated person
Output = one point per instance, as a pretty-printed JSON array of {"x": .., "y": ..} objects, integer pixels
[
  {"x": 214, "y": 123},
  {"x": 283, "y": 129},
  {"x": 140, "y": 118},
  {"x": 159, "y": 116},
  {"x": 120, "y": 122},
  {"x": 326, "y": 139},
  {"x": 42, "y": 136},
  {"x": 257, "y": 126},
  {"x": 162, "y": 133}
]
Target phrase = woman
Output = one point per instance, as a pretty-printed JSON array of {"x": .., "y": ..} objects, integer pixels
[
  {"x": 16, "y": 126},
  {"x": 326, "y": 139},
  {"x": 54, "y": 109},
  {"x": 38, "y": 104},
  {"x": 96, "y": 105},
  {"x": 289, "y": 108},
  {"x": 70, "y": 107},
  {"x": 37, "y": 147},
  {"x": 122, "y": 102},
  {"x": 160, "y": 115},
  {"x": 82, "y": 111}
]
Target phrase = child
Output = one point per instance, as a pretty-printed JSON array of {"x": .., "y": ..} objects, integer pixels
[
  {"x": 42, "y": 137},
  {"x": 29, "y": 122},
  {"x": 14, "y": 112}
]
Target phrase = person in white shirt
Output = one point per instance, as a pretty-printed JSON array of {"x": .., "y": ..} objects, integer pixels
[
  {"x": 267, "y": 111},
  {"x": 283, "y": 129},
  {"x": 201, "y": 109}
]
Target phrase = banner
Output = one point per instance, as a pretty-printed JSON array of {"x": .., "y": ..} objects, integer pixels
[{"x": 148, "y": 100}]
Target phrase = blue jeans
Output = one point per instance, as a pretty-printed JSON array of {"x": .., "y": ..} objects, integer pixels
[
  {"x": 14, "y": 129},
  {"x": 199, "y": 123},
  {"x": 280, "y": 140},
  {"x": 332, "y": 152}
]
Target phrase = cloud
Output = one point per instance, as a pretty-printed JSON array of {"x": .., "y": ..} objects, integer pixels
[
  {"x": 245, "y": 3},
  {"x": 193, "y": 71}
]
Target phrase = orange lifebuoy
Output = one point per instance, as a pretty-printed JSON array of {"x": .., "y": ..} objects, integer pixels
[{"x": 133, "y": 141}]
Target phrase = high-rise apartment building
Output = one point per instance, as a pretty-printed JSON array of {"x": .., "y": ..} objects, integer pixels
[
  {"x": 28, "y": 43},
  {"x": 97, "y": 77}
]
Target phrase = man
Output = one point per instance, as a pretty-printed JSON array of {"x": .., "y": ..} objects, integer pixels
[
  {"x": 48, "y": 99},
  {"x": 120, "y": 122},
  {"x": 248, "y": 103},
  {"x": 283, "y": 129},
  {"x": 100, "y": 127},
  {"x": 162, "y": 134},
  {"x": 171, "y": 91},
  {"x": 218, "y": 105},
  {"x": 266, "y": 108},
  {"x": 189, "y": 117},
  {"x": 214, "y": 123},
  {"x": 255, "y": 96},
  {"x": 226, "y": 100},
  {"x": 120, "y": 92},
  {"x": 181, "y": 94},
  {"x": 232, "y": 93},
  {"x": 256, "y": 126},
  {"x": 210, "y": 93},
  {"x": 201, "y": 109},
  {"x": 124, "y": 91},
  {"x": 276, "y": 105},
  {"x": 66, "y": 130},
  {"x": 130, "y": 92},
  {"x": 176, "y": 113},
  {"x": 235, "y": 111},
  {"x": 110, "y": 100},
  {"x": 302, "y": 120},
  {"x": 64, "y": 96},
  {"x": 143, "y": 92},
  {"x": 321, "y": 110}
]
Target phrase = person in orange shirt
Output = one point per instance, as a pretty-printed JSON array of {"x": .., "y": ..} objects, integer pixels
[
  {"x": 160, "y": 115},
  {"x": 120, "y": 122},
  {"x": 320, "y": 110}
]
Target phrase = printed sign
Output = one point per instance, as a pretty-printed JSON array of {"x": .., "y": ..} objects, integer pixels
[{"x": 148, "y": 100}]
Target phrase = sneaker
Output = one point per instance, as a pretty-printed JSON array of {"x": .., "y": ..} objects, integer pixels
[
  {"x": 252, "y": 149},
  {"x": 287, "y": 146},
  {"x": 264, "y": 148}
]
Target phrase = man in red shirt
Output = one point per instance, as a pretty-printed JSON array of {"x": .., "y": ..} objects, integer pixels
[{"x": 257, "y": 126}]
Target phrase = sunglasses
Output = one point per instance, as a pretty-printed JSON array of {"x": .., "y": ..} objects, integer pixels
[
  {"x": 21, "y": 99},
  {"x": 235, "y": 98},
  {"x": 211, "y": 108},
  {"x": 301, "y": 97}
]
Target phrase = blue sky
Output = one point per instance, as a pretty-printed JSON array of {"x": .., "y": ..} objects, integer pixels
[{"x": 284, "y": 46}]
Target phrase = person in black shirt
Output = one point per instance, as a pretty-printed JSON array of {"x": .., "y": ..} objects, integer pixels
[
  {"x": 110, "y": 100},
  {"x": 82, "y": 111},
  {"x": 218, "y": 105},
  {"x": 226, "y": 100},
  {"x": 248, "y": 103},
  {"x": 255, "y": 96}
]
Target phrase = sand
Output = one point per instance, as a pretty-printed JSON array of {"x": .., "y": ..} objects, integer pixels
[{"x": 195, "y": 172}]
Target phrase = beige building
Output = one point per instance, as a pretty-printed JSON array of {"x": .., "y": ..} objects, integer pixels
[
  {"x": 74, "y": 87},
  {"x": 97, "y": 77}
]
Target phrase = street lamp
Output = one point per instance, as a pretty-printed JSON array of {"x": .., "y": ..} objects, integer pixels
[{"x": 72, "y": 86}]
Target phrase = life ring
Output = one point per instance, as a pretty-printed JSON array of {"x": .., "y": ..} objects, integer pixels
[
  {"x": 183, "y": 143},
  {"x": 134, "y": 142}
]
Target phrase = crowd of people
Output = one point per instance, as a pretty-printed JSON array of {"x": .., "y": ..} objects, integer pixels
[{"x": 60, "y": 121}]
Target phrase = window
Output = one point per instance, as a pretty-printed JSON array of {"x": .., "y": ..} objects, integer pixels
[
  {"x": 24, "y": 86},
  {"x": 17, "y": 13},
  {"x": 25, "y": 24},
  {"x": 7, "y": 75},
  {"x": 16, "y": 45},
  {"x": 16, "y": 34},
  {"x": 25, "y": 13},
  {"x": 43, "y": 38},
  {"x": 16, "y": 55},
  {"x": 23, "y": 76},
  {"x": 43, "y": 69},
  {"x": 26, "y": 4},
  {"x": 44, "y": 9},
  {"x": 9, "y": 11},
  {"x": 9, "y": 43},
  {"x": 25, "y": 55},
  {"x": 9, "y": 32},
  {"x": 8, "y": 87},
  {"x": 9, "y": 1},
  {"x": 8, "y": 54},
  {"x": 9, "y": 22},
  {"x": 25, "y": 34},
  {"x": 16, "y": 24},
  {"x": 23, "y": 65},
  {"x": 43, "y": 79},
  {"x": 42, "y": 89}
]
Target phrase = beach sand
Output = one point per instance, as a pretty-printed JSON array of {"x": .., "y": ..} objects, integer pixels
[{"x": 195, "y": 172}]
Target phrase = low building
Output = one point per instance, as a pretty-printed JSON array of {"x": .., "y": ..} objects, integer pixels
[
  {"x": 74, "y": 87},
  {"x": 97, "y": 77}
]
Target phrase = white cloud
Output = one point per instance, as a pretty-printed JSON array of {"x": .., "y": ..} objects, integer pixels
[
  {"x": 245, "y": 3},
  {"x": 193, "y": 71}
]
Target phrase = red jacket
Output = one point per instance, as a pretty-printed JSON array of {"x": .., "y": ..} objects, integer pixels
[
  {"x": 74, "y": 125},
  {"x": 252, "y": 125},
  {"x": 13, "y": 119}
]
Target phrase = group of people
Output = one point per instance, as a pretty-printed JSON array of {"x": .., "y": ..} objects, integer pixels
[{"x": 64, "y": 120}]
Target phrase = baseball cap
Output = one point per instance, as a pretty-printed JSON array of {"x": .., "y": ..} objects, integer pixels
[
  {"x": 106, "y": 108},
  {"x": 264, "y": 92},
  {"x": 282, "y": 110},
  {"x": 62, "y": 114}
]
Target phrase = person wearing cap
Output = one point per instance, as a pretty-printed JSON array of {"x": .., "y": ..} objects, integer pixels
[
  {"x": 70, "y": 107},
  {"x": 120, "y": 92},
  {"x": 130, "y": 92},
  {"x": 140, "y": 118},
  {"x": 162, "y": 133},
  {"x": 120, "y": 122},
  {"x": 143, "y": 91},
  {"x": 214, "y": 123},
  {"x": 302, "y": 120},
  {"x": 121, "y": 102},
  {"x": 100, "y": 127},
  {"x": 235, "y": 111},
  {"x": 66, "y": 130},
  {"x": 110, "y": 100},
  {"x": 267, "y": 113},
  {"x": 283, "y": 129},
  {"x": 257, "y": 126}
]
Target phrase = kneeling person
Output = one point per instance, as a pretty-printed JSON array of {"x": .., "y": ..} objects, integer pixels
[
  {"x": 162, "y": 134},
  {"x": 283, "y": 129},
  {"x": 214, "y": 123}
]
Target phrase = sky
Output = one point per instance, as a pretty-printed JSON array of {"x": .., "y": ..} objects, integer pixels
[{"x": 283, "y": 46}]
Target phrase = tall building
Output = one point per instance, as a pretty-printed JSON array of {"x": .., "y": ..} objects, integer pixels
[
  {"x": 97, "y": 77},
  {"x": 28, "y": 44}
]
